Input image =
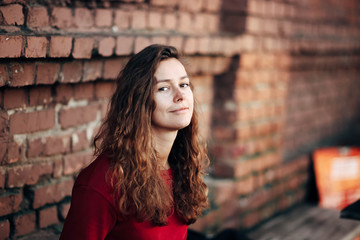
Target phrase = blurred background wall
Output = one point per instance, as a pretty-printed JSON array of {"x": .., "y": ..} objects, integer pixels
[{"x": 274, "y": 80}]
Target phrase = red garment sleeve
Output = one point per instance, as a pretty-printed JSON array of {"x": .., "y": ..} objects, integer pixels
[{"x": 91, "y": 216}]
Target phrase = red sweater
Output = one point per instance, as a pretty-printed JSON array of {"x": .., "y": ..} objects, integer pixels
[{"x": 93, "y": 215}]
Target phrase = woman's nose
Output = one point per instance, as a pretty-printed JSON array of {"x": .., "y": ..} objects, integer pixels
[{"x": 179, "y": 95}]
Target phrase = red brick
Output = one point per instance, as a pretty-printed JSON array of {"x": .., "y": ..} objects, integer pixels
[
  {"x": 84, "y": 91},
  {"x": 79, "y": 141},
  {"x": 13, "y": 152},
  {"x": 176, "y": 41},
  {"x": 92, "y": 70},
  {"x": 75, "y": 162},
  {"x": 32, "y": 122},
  {"x": 72, "y": 72},
  {"x": 64, "y": 209},
  {"x": 170, "y": 21},
  {"x": 245, "y": 186},
  {"x": 138, "y": 19},
  {"x": 140, "y": 43},
  {"x": 36, "y": 47},
  {"x": 61, "y": 17},
  {"x": 47, "y": 146},
  {"x": 47, "y": 73},
  {"x": 251, "y": 219},
  {"x": 58, "y": 168},
  {"x": 104, "y": 89},
  {"x": 83, "y": 47},
  {"x": 185, "y": 23},
  {"x": 13, "y": 14},
  {"x": 4, "y": 75},
  {"x": 191, "y": 45},
  {"x": 22, "y": 74},
  {"x": 83, "y": 18},
  {"x": 10, "y": 202},
  {"x": 124, "y": 45},
  {"x": 154, "y": 21},
  {"x": 159, "y": 40},
  {"x": 10, "y": 46},
  {"x": 122, "y": 19},
  {"x": 4, "y": 229},
  {"x": 64, "y": 93},
  {"x": 213, "y": 5},
  {"x": 25, "y": 224},
  {"x": 29, "y": 174},
  {"x": 37, "y": 17},
  {"x": 213, "y": 23},
  {"x": 106, "y": 46},
  {"x": 15, "y": 98},
  {"x": 4, "y": 119},
  {"x": 60, "y": 46},
  {"x": 2, "y": 177},
  {"x": 76, "y": 116},
  {"x": 189, "y": 5},
  {"x": 112, "y": 67},
  {"x": 103, "y": 17},
  {"x": 104, "y": 109},
  {"x": 47, "y": 217},
  {"x": 51, "y": 192}
]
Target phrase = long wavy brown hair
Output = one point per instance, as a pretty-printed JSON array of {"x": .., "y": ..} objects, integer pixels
[{"x": 125, "y": 136}]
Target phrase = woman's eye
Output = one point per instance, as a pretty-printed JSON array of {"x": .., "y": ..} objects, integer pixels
[
  {"x": 162, "y": 89},
  {"x": 184, "y": 85}
]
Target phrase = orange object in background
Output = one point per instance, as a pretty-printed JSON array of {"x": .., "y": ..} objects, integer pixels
[{"x": 337, "y": 172}]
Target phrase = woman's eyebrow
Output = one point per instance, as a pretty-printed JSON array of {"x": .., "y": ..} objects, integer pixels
[{"x": 168, "y": 80}]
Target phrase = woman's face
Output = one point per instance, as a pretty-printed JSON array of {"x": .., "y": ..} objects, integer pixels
[{"x": 173, "y": 97}]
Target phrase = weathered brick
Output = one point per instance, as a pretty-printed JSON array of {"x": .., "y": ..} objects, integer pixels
[
  {"x": 124, "y": 45},
  {"x": 15, "y": 98},
  {"x": 61, "y": 17},
  {"x": 75, "y": 162},
  {"x": 154, "y": 20},
  {"x": 4, "y": 229},
  {"x": 36, "y": 47},
  {"x": 213, "y": 5},
  {"x": 32, "y": 122},
  {"x": 185, "y": 22},
  {"x": 22, "y": 74},
  {"x": 112, "y": 68},
  {"x": 189, "y": 5},
  {"x": 64, "y": 93},
  {"x": 83, "y": 18},
  {"x": 191, "y": 45},
  {"x": 72, "y": 72},
  {"x": 122, "y": 19},
  {"x": 76, "y": 116},
  {"x": 176, "y": 41},
  {"x": 47, "y": 146},
  {"x": 13, "y": 152},
  {"x": 245, "y": 186},
  {"x": 4, "y": 75},
  {"x": 60, "y": 46},
  {"x": 58, "y": 168},
  {"x": 51, "y": 192},
  {"x": 170, "y": 21},
  {"x": 168, "y": 3},
  {"x": 47, "y": 73},
  {"x": 83, "y": 47},
  {"x": 138, "y": 19},
  {"x": 10, "y": 202},
  {"x": 37, "y": 17},
  {"x": 84, "y": 91},
  {"x": 159, "y": 40},
  {"x": 48, "y": 216},
  {"x": 79, "y": 141},
  {"x": 25, "y": 223},
  {"x": 103, "y": 17},
  {"x": 140, "y": 43},
  {"x": 106, "y": 46},
  {"x": 2, "y": 177},
  {"x": 92, "y": 70},
  {"x": 28, "y": 174},
  {"x": 64, "y": 209},
  {"x": 13, "y": 14},
  {"x": 104, "y": 89},
  {"x": 10, "y": 46}
]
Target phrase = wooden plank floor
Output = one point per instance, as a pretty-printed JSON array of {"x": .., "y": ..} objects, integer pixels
[{"x": 307, "y": 222}]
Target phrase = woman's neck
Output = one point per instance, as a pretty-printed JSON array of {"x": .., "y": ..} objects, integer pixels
[{"x": 163, "y": 141}]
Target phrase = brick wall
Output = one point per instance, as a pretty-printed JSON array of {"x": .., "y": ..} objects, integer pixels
[{"x": 271, "y": 78}]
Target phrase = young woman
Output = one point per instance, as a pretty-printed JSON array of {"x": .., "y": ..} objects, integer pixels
[{"x": 147, "y": 179}]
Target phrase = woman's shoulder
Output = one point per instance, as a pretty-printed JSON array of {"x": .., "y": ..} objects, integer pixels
[{"x": 94, "y": 176}]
